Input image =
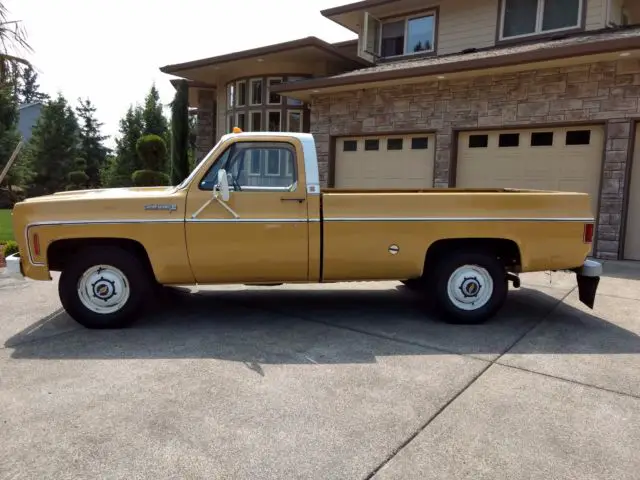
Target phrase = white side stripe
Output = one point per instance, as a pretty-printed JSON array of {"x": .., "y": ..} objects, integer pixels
[{"x": 458, "y": 219}]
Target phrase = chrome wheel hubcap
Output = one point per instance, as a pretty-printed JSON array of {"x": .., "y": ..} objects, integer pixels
[
  {"x": 103, "y": 289},
  {"x": 470, "y": 287}
]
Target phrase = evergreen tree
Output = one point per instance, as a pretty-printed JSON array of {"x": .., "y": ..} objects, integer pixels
[
  {"x": 20, "y": 172},
  {"x": 180, "y": 134},
  {"x": 126, "y": 160},
  {"x": 29, "y": 89},
  {"x": 92, "y": 149},
  {"x": 54, "y": 147},
  {"x": 13, "y": 43},
  {"x": 155, "y": 123}
]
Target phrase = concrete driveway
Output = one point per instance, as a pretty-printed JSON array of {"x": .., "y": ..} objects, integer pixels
[{"x": 323, "y": 382}]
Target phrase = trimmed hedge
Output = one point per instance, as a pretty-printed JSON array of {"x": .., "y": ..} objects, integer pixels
[
  {"x": 149, "y": 178},
  {"x": 152, "y": 151}
]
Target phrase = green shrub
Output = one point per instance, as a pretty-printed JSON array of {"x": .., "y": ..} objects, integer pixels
[
  {"x": 10, "y": 248},
  {"x": 152, "y": 151},
  {"x": 78, "y": 178},
  {"x": 149, "y": 178}
]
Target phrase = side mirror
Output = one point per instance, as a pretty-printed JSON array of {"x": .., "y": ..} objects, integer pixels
[{"x": 223, "y": 185}]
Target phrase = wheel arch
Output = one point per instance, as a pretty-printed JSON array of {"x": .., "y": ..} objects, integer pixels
[
  {"x": 508, "y": 250},
  {"x": 60, "y": 251}
]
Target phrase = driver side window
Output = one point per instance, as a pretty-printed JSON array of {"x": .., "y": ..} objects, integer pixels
[{"x": 255, "y": 166}]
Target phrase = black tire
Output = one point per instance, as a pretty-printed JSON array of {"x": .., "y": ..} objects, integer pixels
[
  {"x": 414, "y": 284},
  {"x": 137, "y": 277},
  {"x": 445, "y": 306}
]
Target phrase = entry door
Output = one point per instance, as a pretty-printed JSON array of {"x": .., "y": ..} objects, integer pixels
[{"x": 268, "y": 242}]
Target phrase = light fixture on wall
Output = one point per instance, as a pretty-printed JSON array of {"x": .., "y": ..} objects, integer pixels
[
  {"x": 625, "y": 54},
  {"x": 441, "y": 77},
  {"x": 260, "y": 60}
]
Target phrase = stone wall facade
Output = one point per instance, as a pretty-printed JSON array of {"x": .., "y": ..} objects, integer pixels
[
  {"x": 206, "y": 123},
  {"x": 607, "y": 93}
]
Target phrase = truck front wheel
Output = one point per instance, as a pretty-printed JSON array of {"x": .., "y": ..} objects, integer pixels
[
  {"x": 104, "y": 287},
  {"x": 470, "y": 287}
]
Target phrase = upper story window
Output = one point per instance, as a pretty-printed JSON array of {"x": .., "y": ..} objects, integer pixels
[
  {"x": 521, "y": 18},
  {"x": 399, "y": 36}
]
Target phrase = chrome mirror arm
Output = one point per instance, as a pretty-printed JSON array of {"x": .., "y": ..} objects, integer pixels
[{"x": 216, "y": 198}]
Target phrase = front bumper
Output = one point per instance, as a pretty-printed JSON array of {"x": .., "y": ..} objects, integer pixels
[
  {"x": 588, "y": 277},
  {"x": 14, "y": 267}
]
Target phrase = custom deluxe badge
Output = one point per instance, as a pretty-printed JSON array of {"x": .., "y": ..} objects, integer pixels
[{"x": 171, "y": 207}]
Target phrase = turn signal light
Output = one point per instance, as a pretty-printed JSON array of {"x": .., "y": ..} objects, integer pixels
[
  {"x": 588, "y": 233},
  {"x": 36, "y": 244}
]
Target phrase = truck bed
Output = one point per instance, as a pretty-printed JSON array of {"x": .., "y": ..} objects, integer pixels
[{"x": 547, "y": 227}]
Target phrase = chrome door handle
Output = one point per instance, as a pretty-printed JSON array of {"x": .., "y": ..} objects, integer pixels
[{"x": 293, "y": 199}]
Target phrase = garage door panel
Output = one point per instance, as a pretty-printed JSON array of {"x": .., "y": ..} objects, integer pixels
[
  {"x": 395, "y": 165},
  {"x": 565, "y": 159}
]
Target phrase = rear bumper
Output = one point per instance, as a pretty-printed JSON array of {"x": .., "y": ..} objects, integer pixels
[
  {"x": 588, "y": 277},
  {"x": 14, "y": 267}
]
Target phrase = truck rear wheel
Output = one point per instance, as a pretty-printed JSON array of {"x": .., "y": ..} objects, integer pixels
[
  {"x": 104, "y": 287},
  {"x": 470, "y": 287}
]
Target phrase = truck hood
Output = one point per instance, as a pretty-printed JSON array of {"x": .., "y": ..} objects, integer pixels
[{"x": 105, "y": 193}]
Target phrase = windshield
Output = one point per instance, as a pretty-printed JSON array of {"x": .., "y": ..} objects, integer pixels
[{"x": 195, "y": 171}]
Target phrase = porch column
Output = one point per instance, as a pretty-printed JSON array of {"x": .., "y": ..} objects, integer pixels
[
  {"x": 206, "y": 124},
  {"x": 617, "y": 153}
]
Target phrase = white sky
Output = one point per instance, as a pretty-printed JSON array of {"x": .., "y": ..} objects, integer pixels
[{"x": 111, "y": 51}]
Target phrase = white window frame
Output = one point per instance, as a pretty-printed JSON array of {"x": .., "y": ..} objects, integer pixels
[
  {"x": 237, "y": 99},
  {"x": 266, "y": 165},
  {"x": 253, "y": 173},
  {"x": 289, "y": 112},
  {"x": 231, "y": 98},
  {"x": 251, "y": 127},
  {"x": 269, "y": 90},
  {"x": 539, "y": 19},
  {"x": 244, "y": 127},
  {"x": 251, "y": 83},
  {"x": 406, "y": 19},
  {"x": 267, "y": 122}
]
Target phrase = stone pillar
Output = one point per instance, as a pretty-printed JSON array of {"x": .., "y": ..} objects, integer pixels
[
  {"x": 206, "y": 125},
  {"x": 442, "y": 168},
  {"x": 617, "y": 152}
]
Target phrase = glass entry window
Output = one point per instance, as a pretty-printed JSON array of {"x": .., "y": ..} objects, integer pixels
[{"x": 252, "y": 106}]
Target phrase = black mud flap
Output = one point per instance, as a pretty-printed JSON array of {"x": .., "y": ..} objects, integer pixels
[{"x": 587, "y": 287}]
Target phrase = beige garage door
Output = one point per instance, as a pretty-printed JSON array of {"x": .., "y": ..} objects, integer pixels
[
  {"x": 403, "y": 161},
  {"x": 564, "y": 159},
  {"x": 632, "y": 238}
]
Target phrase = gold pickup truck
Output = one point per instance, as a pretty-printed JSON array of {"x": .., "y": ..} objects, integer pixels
[{"x": 253, "y": 212}]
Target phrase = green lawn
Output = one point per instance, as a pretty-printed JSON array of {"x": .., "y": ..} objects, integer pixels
[{"x": 6, "y": 230}]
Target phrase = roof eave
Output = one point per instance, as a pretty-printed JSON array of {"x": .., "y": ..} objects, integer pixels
[
  {"x": 556, "y": 53},
  {"x": 255, "y": 52}
]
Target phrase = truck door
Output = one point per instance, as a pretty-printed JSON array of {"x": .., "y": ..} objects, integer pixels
[{"x": 269, "y": 239}]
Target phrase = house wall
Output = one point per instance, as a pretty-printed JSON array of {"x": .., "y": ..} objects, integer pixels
[
  {"x": 464, "y": 24},
  {"x": 596, "y": 14},
  {"x": 467, "y": 24},
  {"x": 27, "y": 118},
  {"x": 600, "y": 92}
]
